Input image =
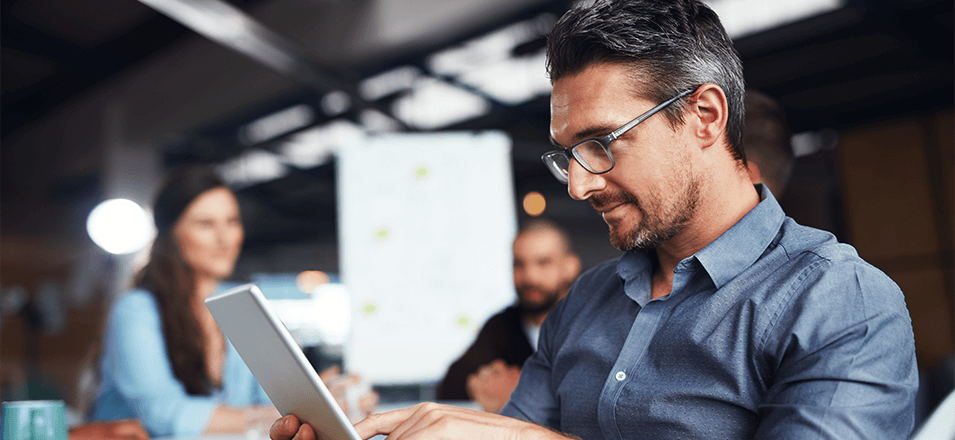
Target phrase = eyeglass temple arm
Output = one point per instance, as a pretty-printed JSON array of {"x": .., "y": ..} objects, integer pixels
[{"x": 620, "y": 131}]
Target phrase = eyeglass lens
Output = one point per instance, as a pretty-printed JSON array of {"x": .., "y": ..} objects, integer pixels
[
  {"x": 558, "y": 164},
  {"x": 591, "y": 155},
  {"x": 594, "y": 157}
]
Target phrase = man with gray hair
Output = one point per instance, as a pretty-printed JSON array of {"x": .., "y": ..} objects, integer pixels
[{"x": 724, "y": 319}]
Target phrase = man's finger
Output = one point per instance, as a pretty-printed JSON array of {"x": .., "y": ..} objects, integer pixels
[
  {"x": 284, "y": 428},
  {"x": 383, "y": 423},
  {"x": 305, "y": 432}
]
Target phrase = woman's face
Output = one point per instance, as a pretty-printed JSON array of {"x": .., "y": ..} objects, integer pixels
[{"x": 209, "y": 234}]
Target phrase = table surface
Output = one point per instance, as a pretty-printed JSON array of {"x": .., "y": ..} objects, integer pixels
[
  {"x": 250, "y": 436},
  {"x": 384, "y": 407}
]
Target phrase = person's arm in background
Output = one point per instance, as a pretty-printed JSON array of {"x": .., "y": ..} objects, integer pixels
[
  {"x": 454, "y": 385},
  {"x": 231, "y": 419},
  {"x": 492, "y": 384},
  {"x": 111, "y": 430},
  {"x": 355, "y": 396},
  {"x": 487, "y": 348},
  {"x": 843, "y": 354}
]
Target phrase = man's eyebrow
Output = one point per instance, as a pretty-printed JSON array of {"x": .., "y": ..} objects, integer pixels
[{"x": 589, "y": 132}]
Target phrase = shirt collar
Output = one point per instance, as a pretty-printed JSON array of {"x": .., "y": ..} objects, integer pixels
[
  {"x": 743, "y": 243},
  {"x": 635, "y": 269},
  {"x": 723, "y": 259}
]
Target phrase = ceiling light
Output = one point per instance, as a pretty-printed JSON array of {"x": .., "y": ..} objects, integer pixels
[
  {"x": 277, "y": 124},
  {"x": 316, "y": 146},
  {"x": 744, "y": 17},
  {"x": 221, "y": 22},
  {"x": 512, "y": 81},
  {"x": 434, "y": 104},
  {"x": 336, "y": 103},
  {"x": 377, "y": 122},
  {"x": 251, "y": 167},
  {"x": 490, "y": 48},
  {"x": 389, "y": 82}
]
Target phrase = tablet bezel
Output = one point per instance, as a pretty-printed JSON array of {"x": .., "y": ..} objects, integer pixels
[{"x": 275, "y": 359}]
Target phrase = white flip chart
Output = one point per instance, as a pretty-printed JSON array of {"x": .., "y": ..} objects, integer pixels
[{"x": 426, "y": 223}]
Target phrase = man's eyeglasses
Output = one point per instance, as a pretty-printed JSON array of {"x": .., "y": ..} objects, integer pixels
[{"x": 594, "y": 153}]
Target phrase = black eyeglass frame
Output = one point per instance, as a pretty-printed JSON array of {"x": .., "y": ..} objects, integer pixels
[{"x": 604, "y": 142}]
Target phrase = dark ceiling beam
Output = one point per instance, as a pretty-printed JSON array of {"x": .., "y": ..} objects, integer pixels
[
  {"x": 283, "y": 56},
  {"x": 216, "y": 141}
]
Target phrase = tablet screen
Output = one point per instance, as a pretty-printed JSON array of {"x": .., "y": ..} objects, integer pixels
[{"x": 276, "y": 361}]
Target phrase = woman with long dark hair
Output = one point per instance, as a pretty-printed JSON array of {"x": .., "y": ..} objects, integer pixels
[{"x": 164, "y": 359}]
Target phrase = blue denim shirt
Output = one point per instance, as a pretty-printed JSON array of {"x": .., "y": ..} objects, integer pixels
[{"x": 772, "y": 331}]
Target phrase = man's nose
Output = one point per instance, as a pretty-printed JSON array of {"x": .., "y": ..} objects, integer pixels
[
  {"x": 532, "y": 274},
  {"x": 581, "y": 184}
]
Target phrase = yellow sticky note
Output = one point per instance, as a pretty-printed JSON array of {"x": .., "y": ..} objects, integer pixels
[{"x": 370, "y": 309}]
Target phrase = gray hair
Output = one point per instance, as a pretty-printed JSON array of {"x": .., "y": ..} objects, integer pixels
[{"x": 670, "y": 45}]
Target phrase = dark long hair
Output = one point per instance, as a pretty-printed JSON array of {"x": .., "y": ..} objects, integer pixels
[{"x": 171, "y": 281}]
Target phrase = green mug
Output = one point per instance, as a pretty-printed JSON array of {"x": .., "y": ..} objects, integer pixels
[{"x": 34, "y": 420}]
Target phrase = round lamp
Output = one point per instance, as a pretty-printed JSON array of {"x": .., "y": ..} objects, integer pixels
[{"x": 119, "y": 226}]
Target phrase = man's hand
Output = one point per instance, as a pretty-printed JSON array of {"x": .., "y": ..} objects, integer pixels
[
  {"x": 427, "y": 421},
  {"x": 290, "y": 428},
  {"x": 114, "y": 430},
  {"x": 492, "y": 384},
  {"x": 430, "y": 421}
]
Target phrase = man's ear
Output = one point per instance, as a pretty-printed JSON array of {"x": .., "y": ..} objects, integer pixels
[{"x": 709, "y": 113}]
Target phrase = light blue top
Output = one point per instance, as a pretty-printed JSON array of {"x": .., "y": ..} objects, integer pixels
[
  {"x": 772, "y": 331},
  {"x": 137, "y": 380}
]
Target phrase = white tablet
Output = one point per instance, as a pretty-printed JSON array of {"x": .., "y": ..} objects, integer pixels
[{"x": 277, "y": 362}]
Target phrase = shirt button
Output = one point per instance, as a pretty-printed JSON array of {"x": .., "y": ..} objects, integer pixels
[{"x": 620, "y": 376}]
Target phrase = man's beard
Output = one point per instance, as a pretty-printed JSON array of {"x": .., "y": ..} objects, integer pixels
[
  {"x": 545, "y": 305},
  {"x": 655, "y": 228}
]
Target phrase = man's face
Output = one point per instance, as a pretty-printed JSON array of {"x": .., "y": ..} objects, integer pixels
[
  {"x": 652, "y": 192},
  {"x": 543, "y": 270}
]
